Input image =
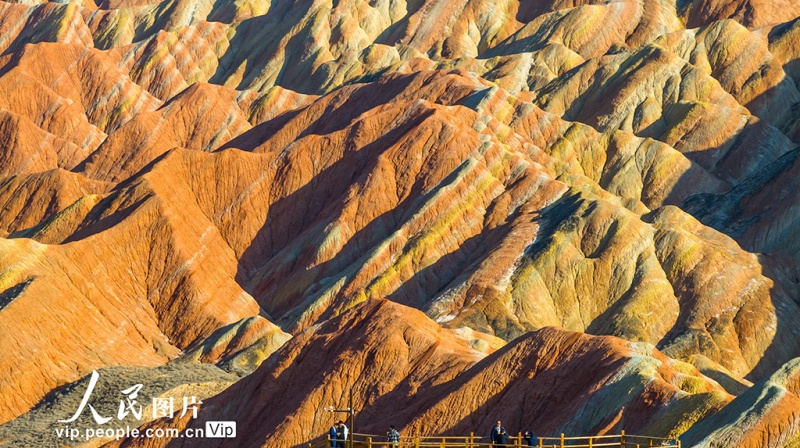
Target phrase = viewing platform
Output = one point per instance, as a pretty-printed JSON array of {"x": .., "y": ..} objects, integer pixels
[{"x": 621, "y": 440}]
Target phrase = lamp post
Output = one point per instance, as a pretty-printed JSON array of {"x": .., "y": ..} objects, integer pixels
[{"x": 350, "y": 411}]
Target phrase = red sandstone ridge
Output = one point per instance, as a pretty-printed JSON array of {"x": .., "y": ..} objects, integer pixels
[
  {"x": 430, "y": 382},
  {"x": 496, "y": 194}
]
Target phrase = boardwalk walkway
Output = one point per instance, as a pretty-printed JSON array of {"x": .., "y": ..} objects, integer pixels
[{"x": 607, "y": 441}]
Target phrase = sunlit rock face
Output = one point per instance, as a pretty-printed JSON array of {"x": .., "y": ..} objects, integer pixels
[
  {"x": 423, "y": 200},
  {"x": 403, "y": 367}
]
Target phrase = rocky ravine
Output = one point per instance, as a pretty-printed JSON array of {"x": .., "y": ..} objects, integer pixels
[{"x": 413, "y": 198}]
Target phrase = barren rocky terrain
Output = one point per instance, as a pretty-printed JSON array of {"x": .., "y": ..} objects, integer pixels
[{"x": 578, "y": 216}]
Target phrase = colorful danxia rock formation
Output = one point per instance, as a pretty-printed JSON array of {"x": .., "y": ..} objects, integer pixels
[{"x": 577, "y": 216}]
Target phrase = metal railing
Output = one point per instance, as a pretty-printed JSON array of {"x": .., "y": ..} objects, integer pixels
[{"x": 621, "y": 440}]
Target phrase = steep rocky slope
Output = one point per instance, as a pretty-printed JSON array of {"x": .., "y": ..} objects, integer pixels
[
  {"x": 405, "y": 369},
  {"x": 194, "y": 184},
  {"x": 768, "y": 414}
]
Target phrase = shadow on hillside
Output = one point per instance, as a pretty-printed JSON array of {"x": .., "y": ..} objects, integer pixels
[
  {"x": 784, "y": 271},
  {"x": 728, "y": 213},
  {"x": 295, "y": 226},
  {"x": 277, "y": 260},
  {"x": 260, "y": 40},
  {"x": 341, "y": 112}
]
